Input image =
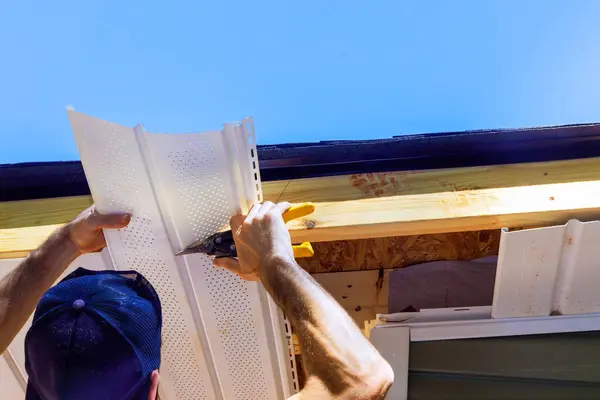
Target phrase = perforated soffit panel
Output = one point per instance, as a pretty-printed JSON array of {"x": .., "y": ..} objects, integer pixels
[
  {"x": 548, "y": 271},
  {"x": 223, "y": 338}
]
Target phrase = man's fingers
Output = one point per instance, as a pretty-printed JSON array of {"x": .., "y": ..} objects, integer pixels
[
  {"x": 253, "y": 212},
  {"x": 265, "y": 208},
  {"x": 232, "y": 265},
  {"x": 283, "y": 206},
  {"x": 99, "y": 241},
  {"x": 110, "y": 221},
  {"x": 228, "y": 263},
  {"x": 154, "y": 380},
  {"x": 258, "y": 210},
  {"x": 236, "y": 221}
]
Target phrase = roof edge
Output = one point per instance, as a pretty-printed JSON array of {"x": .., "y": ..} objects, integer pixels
[{"x": 35, "y": 180}]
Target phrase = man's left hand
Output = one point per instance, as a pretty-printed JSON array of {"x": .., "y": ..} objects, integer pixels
[{"x": 85, "y": 231}]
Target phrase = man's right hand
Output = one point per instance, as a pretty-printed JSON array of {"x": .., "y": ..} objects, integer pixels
[
  {"x": 341, "y": 363},
  {"x": 261, "y": 237}
]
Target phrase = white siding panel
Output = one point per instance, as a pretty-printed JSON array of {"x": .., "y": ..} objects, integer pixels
[
  {"x": 527, "y": 269},
  {"x": 578, "y": 284},
  {"x": 554, "y": 270},
  {"x": 10, "y": 386}
]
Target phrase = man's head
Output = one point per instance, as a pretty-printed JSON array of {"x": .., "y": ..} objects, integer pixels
[{"x": 95, "y": 335}]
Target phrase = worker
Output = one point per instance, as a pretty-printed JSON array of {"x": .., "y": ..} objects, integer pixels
[{"x": 96, "y": 335}]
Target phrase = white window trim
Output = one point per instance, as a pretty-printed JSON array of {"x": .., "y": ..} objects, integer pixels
[{"x": 392, "y": 339}]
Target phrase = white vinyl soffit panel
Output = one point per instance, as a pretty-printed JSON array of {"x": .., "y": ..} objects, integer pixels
[
  {"x": 548, "y": 271},
  {"x": 223, "y": 338}
]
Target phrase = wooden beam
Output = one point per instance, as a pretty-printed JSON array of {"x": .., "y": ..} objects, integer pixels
[
  {"x": 365, "y": 186},
  {"x": 17, "y": 214},
  {"x": 18, "y": 242},
  {"x": 30, "y": 213},
  {"x": 24, "y": 225},
  {"x": 470, "y": 210},
  {"x": 60, "y": 210},
  {"x": 380, "y": 205}
]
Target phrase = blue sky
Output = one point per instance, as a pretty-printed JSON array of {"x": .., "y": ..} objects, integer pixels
[{"x": 306, "y": 70}]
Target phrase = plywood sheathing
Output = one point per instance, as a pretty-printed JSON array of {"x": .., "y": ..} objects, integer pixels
[{"x": 400, "y": 251}]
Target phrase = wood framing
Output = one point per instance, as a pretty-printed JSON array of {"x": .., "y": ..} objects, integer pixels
[
  {"x": 16, "y": 243},
  {"x": 384, "y": 184},
  {"x": 471, "y": 210},
  {"x": 28, "y": 213},
  {"x": 31, "y": 213},
  {"x": 382, "y": 205},
  {"x": 16, "y": 214}
]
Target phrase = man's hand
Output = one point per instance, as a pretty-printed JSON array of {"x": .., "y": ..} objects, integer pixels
[
  {"x": 21, "y": 289},
  {"x": 260, "y": 237},
  {"x": 340, "y": 361},
  {"x": 85, "y": 231}
]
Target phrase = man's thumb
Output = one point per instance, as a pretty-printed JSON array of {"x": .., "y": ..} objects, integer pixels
[{"x": 110, "y": 221}]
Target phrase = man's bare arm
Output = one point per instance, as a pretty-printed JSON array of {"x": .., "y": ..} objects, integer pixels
[
  {"x": 340, "y": 362},
  {"x": 334, "y": 350},
  {"x": 22, "y": 288}
]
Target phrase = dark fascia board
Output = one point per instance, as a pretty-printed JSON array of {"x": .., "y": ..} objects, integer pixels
[{"x": 305, "y": 160}]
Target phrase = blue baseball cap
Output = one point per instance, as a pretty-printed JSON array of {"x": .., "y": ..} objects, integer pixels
[{"x": 95, "y": 335}]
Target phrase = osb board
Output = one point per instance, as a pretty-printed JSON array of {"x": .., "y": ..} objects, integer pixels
[{"x": 400, "y": 251}]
